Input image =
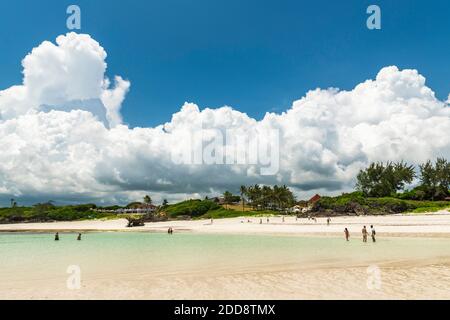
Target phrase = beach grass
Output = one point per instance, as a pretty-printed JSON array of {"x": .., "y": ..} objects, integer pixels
[
  {"x": 238, "y": 207},
  {"x": 430, "y": 209}
]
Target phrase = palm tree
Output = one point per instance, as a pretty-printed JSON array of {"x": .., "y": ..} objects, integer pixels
[
  {"x": 266, "y": 196},
  {"x": 256, "y": 195},
  {"x": 243, "y": 192},
  {"x": 147, "y": 199},
  {"x": 277, "y": 195},
  {"x": 288, "y": 198},
  {"x": 227, "y": 198}
]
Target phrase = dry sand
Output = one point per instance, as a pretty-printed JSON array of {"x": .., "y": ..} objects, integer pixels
[{"x": 409, "y": 282}]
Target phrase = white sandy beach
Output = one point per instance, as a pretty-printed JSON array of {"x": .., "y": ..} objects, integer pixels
[{"x": 429, "y": 225}]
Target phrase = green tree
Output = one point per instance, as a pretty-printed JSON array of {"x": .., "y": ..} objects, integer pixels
[
  {"x": 147, "y": 199},
  {"x": 286, "y": 197},
  {"x": 380, "y": 180},
  {"x": 255, "y": 195},
  {"x": 267, "y": 197},
  {"x": 41, "y": 209},
  {"x": 243, "y": 190},
  {"x": 443, "y": 174},
  {"x": 228, "y": 198},
  {"x": 435, "y": 179}
]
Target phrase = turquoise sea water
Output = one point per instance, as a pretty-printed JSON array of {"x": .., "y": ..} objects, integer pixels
[{"x": 28, "y": 257}]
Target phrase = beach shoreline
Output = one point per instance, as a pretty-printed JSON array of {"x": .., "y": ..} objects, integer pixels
[{"x": 418, "y": 225}]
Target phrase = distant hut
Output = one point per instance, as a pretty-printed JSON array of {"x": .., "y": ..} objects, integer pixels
[{"x": 314, "y": 199}]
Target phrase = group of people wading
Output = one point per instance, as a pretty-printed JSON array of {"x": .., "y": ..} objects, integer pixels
[
  {"x": 365, "y": 234},
  {"x": 57, "y": 236}
]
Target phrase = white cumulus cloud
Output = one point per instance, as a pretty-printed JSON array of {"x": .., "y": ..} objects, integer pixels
[
  {"x": 66, "y": 152},
  {"x": 69, "y": 74}
]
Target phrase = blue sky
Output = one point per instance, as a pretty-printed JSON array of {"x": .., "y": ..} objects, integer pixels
[{"x": 256, "y": 56}]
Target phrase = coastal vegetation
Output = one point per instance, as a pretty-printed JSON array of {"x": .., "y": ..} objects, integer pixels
[
  {"x": 207, "y": 209},
  {"x": 277, "y": 198},
  {"x": 380, "y": 189},
  {"x": 357, "y": 204},
  {"x": 386, "y": 180},
  {"x": 43, "y": 212},
  {"x": 191, "y": 208},
  {"x": 382, "y": 180}
]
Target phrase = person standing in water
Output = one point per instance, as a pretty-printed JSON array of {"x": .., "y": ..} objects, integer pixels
[
  {"x": 373, "y": 233},
  {"x": 57, "y": 236},
  {"x": 347, "y": 234},
  {"x": 364, "y": 233},
  {"x": 79, "y": 237}
]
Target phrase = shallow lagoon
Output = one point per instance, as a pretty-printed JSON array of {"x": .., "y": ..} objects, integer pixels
[
  {"x": 127, "y": 252},
  {"x": 32, "y": 259}
]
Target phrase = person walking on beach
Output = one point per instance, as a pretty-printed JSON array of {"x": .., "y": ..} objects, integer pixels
[
  {"x": 268, "y": 220},
  {"x": 79, "y": 237},
  {"x": 364, "y": 233},
  {"x": 283, "y": 219},
  {"x": 328, "y": 221},
  {"x": 347, "y": 234},
  {"x": 57, "y": 236},
  {"x": 373, "y": 234}
]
